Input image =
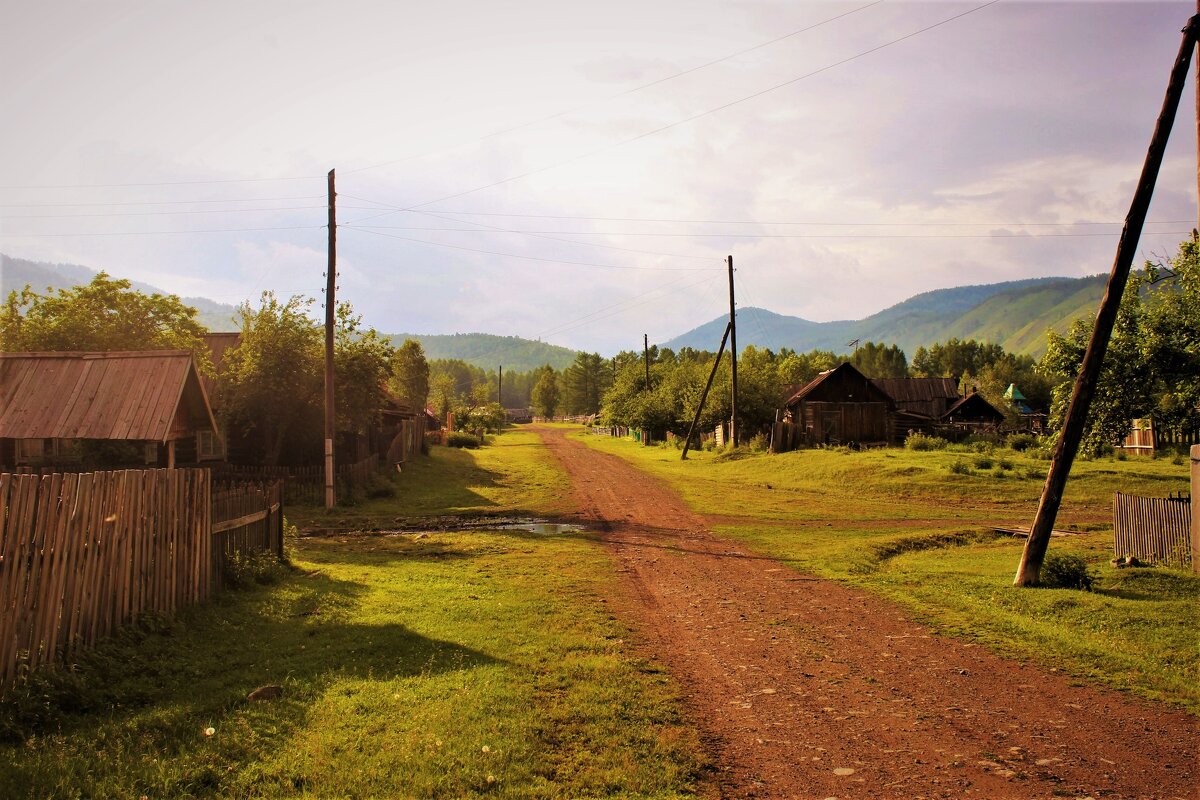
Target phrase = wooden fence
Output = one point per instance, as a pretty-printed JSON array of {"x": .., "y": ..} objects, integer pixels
[
  {"x": 1154, "y": 529},
  {"x": 246, "y": 517},
  {"x": 303, "y": 485},
  {"x": 84, "y": 553}
]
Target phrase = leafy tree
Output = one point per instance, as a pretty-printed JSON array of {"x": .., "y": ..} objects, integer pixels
[
  {"x": 955, "y": 358},
  {"x": 361, "y": 364},
  {"x": 103, "y": 315},
  {"x": 545, "y": 392},
  {"x": 877, "y": 360},
  {"x": 585, "y": 382},
  {"x": 273, "y": 380},
  {"x": 410, "y": 374}
]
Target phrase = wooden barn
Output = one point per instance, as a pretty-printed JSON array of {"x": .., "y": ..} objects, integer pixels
[
  {"x": 929, "y": 397},
  {"x": 146, "y": 407},
  {"x": 839, "y": 406}
]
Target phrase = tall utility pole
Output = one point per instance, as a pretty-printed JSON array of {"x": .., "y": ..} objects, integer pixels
[
  {"x": 646, "y": 357},
  {"x": 733, "y": 419},
  {"x": 1029, "y": 571},
  {"x": 330, "y": 318},
  {"x": 1197, "y": 139}
]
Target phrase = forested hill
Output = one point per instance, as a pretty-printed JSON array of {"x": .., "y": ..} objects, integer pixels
[
  {"x": 17, "y": 273},
  {"x": 489, "y": 351},
  {"x": 1015, "y": 315}
]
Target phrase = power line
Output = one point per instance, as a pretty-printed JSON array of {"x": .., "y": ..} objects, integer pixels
[
  {"x": 163, "y": 233},
  {"x": 572, "y": 323},
  {"x": 793, "y": 222},
  {"x": 527, "y": 258},
  {"x": 727, "y": 235},
  {"x": 702, "y": 114},
  {"x": 161, "y": 183},
  {"x": 157, "y": 213},
  {"x": 163, "y": 202},
  {"x": 619, "y": 95}
]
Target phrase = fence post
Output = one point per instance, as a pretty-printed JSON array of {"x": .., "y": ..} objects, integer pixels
[{"x": 1195, "y": 509}]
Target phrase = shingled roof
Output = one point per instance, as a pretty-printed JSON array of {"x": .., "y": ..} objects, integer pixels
[{"x": 134, "y": 396}]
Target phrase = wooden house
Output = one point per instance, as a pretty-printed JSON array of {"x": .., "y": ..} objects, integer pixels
[
  {"x": 62, "y": 408},
  {"x": 973, "y": 411},
  {"x": 929, "y": 397},
  {"x": 840, "y": 406}
]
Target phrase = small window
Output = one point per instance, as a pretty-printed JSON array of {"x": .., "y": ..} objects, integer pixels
[
  {"x": 34, "y": 451},
  {"x": 151, "y": 452},
  {"x": 209, "y": 445}
]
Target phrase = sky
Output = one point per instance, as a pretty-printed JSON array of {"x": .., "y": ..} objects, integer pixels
[{"x": 578, "y": 172}]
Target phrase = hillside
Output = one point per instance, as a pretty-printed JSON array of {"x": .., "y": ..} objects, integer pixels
[
  {"x": 1015, "y": 315},
  {"x": 489, "y": 351},
  {"x": 16, "y": 273}
]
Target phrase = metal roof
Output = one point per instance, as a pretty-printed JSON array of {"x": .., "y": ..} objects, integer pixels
[
  {"x": 918, "y": 390},
  {"x": 135, "y": 396}
]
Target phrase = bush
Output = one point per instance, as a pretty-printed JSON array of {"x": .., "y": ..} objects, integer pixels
[
  {"x": 243, "y": 569},
  {"x": 1004, "y": 463},
  {"x": 1066, "y": 571},
  {"x": 1035, "y": 474},
  {"x": 983, "y": 462},
  {"x": 758, "y": 443},
  {"x": 960, "y": 467},
  {"x": 460, "y": 439},
  {"x": 919, "y": 441},
  {"x": 1022, "y": 441}
]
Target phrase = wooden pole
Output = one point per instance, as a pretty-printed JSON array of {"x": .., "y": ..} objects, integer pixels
[
  {"x": 687, "y": 443},
  {"x": 1195, "y": 459},
  {"x": 1197, "y": 87},
  {"x": 1028, "y": 573},
  {"x": 646, "y": 357},
  {"x": 733, "y": 417},
  {"x": 330, "y": 318}
]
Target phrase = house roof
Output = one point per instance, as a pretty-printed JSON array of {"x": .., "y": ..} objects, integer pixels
[
  {"x": 133, "y": 396},
  {"x": 1013, "y": 393},
  {"x": 918, "y": 390},
  {"x": 845, "y": 373},
  {"x": 973, "y": 405}
]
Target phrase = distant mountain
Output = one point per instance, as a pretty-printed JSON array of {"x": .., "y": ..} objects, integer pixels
[
  {"x": 488, "y": 351},
  {"x": 1015, "y": 314},
  {"x": 16, "y": 273}
]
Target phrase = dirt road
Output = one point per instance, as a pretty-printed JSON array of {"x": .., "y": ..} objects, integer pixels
[{"x": 806, "y": 688}]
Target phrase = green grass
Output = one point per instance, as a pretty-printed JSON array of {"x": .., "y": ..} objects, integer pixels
[
  {"x": 903, "y": 525},
  {"x": 441, "y": 665},
  {"x": 511, "y": 475}
]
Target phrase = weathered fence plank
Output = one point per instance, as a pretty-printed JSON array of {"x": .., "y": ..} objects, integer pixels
[{"x": 1154, "y": 529}]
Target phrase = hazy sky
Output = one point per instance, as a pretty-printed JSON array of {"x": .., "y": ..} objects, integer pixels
[{"x": 192, "y": 141}]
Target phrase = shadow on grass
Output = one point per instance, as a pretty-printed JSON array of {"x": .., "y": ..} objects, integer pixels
[{"x": 164, "y": 679}]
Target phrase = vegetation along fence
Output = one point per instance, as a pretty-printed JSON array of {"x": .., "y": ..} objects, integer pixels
[
  {"x": 1154, "y": 529},
  {"x": 83, "y": 553}
]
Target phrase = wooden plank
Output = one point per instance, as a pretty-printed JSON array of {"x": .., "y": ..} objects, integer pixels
[{"x": 239, "y": 522}]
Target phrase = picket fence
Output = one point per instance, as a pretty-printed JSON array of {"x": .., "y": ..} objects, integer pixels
[
  {"x": 1156, "y": 530},
  {"x": 83, "y": 553}
]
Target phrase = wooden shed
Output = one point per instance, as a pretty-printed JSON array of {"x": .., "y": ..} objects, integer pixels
[
  {"x": 53, "y": 404},
  {"x": 841, "y": 406},
  {"x": 929, "y": 397},
  {"x": 973, "y": 411}
]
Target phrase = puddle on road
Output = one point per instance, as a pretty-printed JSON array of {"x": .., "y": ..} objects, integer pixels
[{"x": 541, "y": 528}]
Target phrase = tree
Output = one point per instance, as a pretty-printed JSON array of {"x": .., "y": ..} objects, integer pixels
[
  {"x": 362, "y": 364},
  {"x": 955, "y": 358},
  {"x": 103, "y": 315},
  {"x": 877, "y": 360},
  {"x": 410, "y": 374},
  {"x": 585, "y": 382},
  {"x": 272, "y": 384},
  {"x": 545, "y": 392}
]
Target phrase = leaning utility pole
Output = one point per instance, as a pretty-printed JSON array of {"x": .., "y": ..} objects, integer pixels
[
  {"x": 733, "y": 418},
  {"x": 330, "y": 317},
  {"x": 1028, "y": 573},
  {"x": 646, "y": 357},
  {"x": 687, "y": 443},
  {"x": 1198, "y": 138}
]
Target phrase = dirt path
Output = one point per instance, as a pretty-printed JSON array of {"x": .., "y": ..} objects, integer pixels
[{"x": 806, "y": 688}]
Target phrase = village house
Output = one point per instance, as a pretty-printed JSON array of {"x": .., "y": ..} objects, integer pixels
[{"x": 144, "y": 408}]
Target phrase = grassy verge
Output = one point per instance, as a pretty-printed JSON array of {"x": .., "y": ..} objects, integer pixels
[
  {"x": 445, "y": 665},
  {"x": 513, "y": 474},
  {"x": 906, "y": 525}
]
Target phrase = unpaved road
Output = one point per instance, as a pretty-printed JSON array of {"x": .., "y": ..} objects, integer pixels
[{"x": 807, "y": 688}]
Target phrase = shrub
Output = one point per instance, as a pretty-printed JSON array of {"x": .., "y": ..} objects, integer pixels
[
  {"x": 460, "y": 439},
  {"x": 1035, "y": 474},
  {"x": 1121, "y": 455},
  {"x": 1004, "y": 463},
  {"x": 1022, "y": 441},
  {"x": 1066, "y": 571},
  {"x": 758, "y": 443},
  {"x": 983, "y": 462},
  {"x": 243, "y": 569},
  {"x": 919, "y": 441},
  {"x": 960, "y": 467}
]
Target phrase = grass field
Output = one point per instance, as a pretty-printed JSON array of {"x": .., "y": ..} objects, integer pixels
[
  {"x": 902, "y": 524},
  {"x": 448, "y": 665}
]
